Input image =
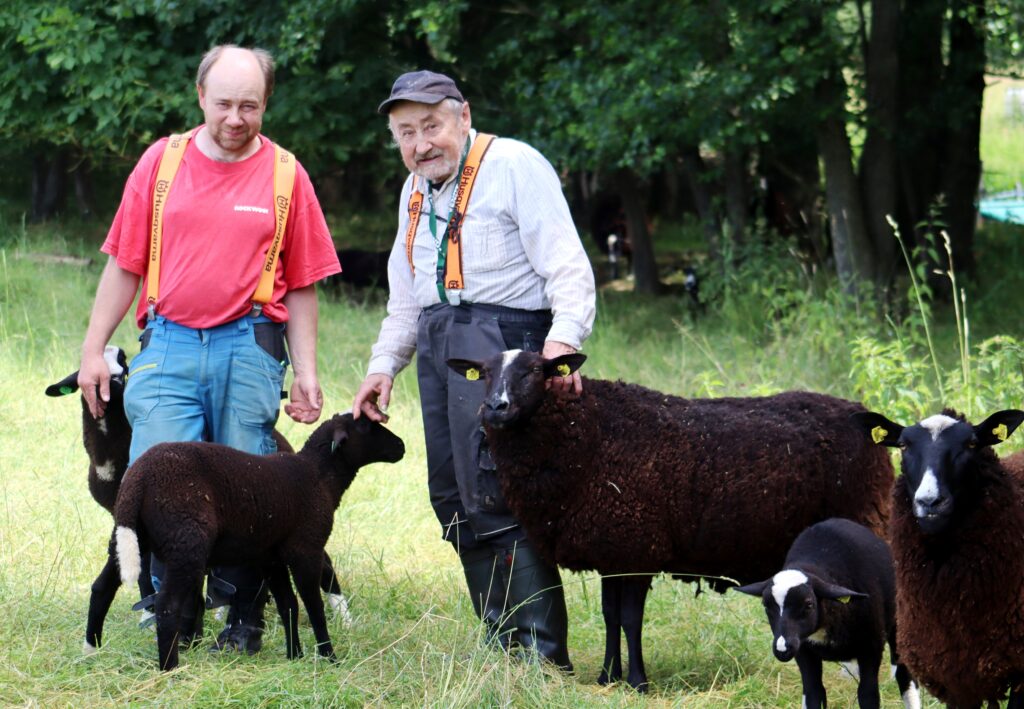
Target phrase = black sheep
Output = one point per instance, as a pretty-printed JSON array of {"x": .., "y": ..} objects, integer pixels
[
  {"x": 835, "y": 600},
  {"x": 107, "y": 441},
  {"x": 631, "y": 482},
  {"x": 957, "y": 535},
  {"x": 197, "y": 505}
]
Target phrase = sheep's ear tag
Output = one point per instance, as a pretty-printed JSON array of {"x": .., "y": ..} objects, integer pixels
[
  {"x": 843, "y": 599},
  {"x": 563, "y": 370},
  {"x": 878, "y": 435},
  {"x": 65, "y": 390},
  {"x": 472, "y": 374},
  {"x": 1000, "y": 432}
]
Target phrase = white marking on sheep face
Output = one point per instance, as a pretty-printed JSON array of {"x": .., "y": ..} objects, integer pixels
[
  {"x": 927, "y": 492},
  {"x": 780, "y": 644},
  {"x": 507, "y": 359},
  {"x": 782, "y": 582},
  {"x": 105, "y": 471},
  {"x": 936, "y": 424}
]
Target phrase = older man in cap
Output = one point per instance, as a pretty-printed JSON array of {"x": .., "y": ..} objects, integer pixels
[{"x": 486, "y": 259}]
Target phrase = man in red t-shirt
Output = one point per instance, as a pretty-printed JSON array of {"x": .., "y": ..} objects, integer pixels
[{"x": 212, "y": 366}]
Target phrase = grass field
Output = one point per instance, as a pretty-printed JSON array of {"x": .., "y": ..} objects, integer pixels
[{"x": 414, "y": 641}]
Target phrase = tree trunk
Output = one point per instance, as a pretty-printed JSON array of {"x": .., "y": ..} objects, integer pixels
[
  {"x": 851, "y": 245},
  {"x": 737, "y": 193},
  {"x": 966, "y": 82},
  {"x": 697, "y": 179},
  {"x": 645, "y": 268},
  {"x": 879, "y": 163},
  {"x": 49, "y": 184}
]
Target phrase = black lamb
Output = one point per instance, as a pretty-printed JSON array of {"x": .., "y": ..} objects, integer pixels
[
  {"x": 631, "y": 482},
  {"x": 957, "y": 535},
  {"x": 197, "y": 505},
  {"x": 835, "y": 600},
  {"x": 107, "y": 441}
]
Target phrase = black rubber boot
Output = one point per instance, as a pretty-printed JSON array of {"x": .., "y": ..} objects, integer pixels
[
  {"x": 537, "y": 604},
  {"x": 487, "y": 584},
  {"x": 244, "y": 629}
]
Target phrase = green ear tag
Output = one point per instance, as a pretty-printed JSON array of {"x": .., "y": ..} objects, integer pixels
[
  {"x": 878, "y": 435},
  {"x": 1000, "y": 432},
  {"x": 563, "y": 370},
  {"x": 843, "y": 599},
  {"x": 67, "y": 390},
  {"x": 472, "y": 374}
]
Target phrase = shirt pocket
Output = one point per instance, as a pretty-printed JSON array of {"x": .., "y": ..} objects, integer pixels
[{"x": 485, "y": 247}]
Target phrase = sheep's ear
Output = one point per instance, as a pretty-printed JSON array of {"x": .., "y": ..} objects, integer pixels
[
  {"x": 67, "y": 385},
  {"x": 882, "y": 430},
  {"x": 834, "y": 592},
  {"x": 754, "y": 589},
  {"x": 468, "y": 368},
  {"x": 340, "y": 436},
  {"x": 563, "y": 365},
  {"x": 998, "y": 427}
]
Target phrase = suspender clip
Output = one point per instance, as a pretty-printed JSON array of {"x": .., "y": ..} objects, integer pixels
[
  {"x": 151, "y": 311},
  {"x": 257, "y": 309}
]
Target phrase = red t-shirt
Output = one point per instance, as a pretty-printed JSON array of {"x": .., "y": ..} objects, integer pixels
[{"x": 218, "y": 225}]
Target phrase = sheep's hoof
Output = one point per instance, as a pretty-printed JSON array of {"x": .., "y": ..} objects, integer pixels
[
  {"x": 240, "y": 637},
  {"x": 609, "y": 677}
]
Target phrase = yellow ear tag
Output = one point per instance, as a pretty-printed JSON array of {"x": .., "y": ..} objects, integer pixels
[
  {"x": 1000, "y": 432},
  {"x": 472, "y": 374},
  {"x": 878, "y": 435},
  {"x": 563, "y": 370},
  {"x": 843, "y": 599}
]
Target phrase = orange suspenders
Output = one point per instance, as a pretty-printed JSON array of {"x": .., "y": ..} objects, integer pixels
[
  {"x": 284, "y": 181},
  {"x": 453, "y": 264}
]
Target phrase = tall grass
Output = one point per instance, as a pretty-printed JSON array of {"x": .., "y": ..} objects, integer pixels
[{"x": 771, "y": 324}]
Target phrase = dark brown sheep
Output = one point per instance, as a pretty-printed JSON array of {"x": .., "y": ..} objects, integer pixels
[
  {"x": 626, "y": 480},
  {"x": 107, "y": 441},
  {"x": 957, "y": 536},
  {"x": 197, "y": 505}
]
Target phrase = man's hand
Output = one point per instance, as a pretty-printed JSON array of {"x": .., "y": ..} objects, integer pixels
[
  {"x": 571, "y": 385},
  {"x": 94, "y": 383},
  {"x": 373, "y": 398},
  {"x": 307, "y": 400}
]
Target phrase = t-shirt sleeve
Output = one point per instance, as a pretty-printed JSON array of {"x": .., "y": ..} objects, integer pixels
[
  {"x": 309, "y": 254},
  {"x": 128, "y": 238}
]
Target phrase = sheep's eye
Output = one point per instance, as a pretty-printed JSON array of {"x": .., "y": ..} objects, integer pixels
[
  {"x": 972, "y": 444},
  {"x": 902, "y": 446},
  {"x": 537, "y": 370}
]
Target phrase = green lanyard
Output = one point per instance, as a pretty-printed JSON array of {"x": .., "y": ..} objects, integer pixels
[{"x": 442, "y": 245}]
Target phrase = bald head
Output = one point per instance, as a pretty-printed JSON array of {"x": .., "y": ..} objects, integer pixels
[{"x": 238, "y": 59}]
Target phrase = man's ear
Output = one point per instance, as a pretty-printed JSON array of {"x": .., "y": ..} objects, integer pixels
[
  {"x": 998, "y": 427},
  {"x": 468, "y": 368},
  {"x": 882, "y": 430},
  {"x": 563, "y": 365}
]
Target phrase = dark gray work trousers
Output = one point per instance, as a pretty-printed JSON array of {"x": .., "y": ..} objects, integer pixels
[{"x": 464, "y": 491}]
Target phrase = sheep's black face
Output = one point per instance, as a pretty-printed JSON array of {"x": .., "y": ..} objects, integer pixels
[
  {"x": 515, "y": 388},
  {"x": 940, "y": 457},
  {"x": 362, "y": 441}
]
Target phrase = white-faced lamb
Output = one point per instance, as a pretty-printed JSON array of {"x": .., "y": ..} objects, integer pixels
[
  {"x": 835, "y": 600},
  {"x": 957, "y": 535},
  {"x": 197, "y": 505},
  {"x": 107, "y": 441},
  {"x": 631, "y": 482}
]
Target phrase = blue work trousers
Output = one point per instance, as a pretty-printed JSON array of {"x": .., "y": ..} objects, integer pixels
[{"x": 215, "y": 384}]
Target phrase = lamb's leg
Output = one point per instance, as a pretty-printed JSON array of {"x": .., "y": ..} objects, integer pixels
[
  {"x": 867, "y": 691},
  {"x": 176, "y": 587},
  {"x": 611, "y": 600},
  {"x": 192, "y": 618},
  {"x": 104, "y": 588},
  {"x": 908, "y": 687},
  {"x": 287, "y": 607},
  {"x": 329, "y": 584},
  {"x": 307, "y": 576},
  {"x": 634, "y": 596},
  {"x": 810, "y": 675}
]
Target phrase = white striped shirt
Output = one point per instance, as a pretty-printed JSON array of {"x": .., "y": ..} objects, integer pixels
[{"x": 520, "y": 249}]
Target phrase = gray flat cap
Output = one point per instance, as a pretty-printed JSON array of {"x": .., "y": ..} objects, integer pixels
[{"x": 421, "y": 87}]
